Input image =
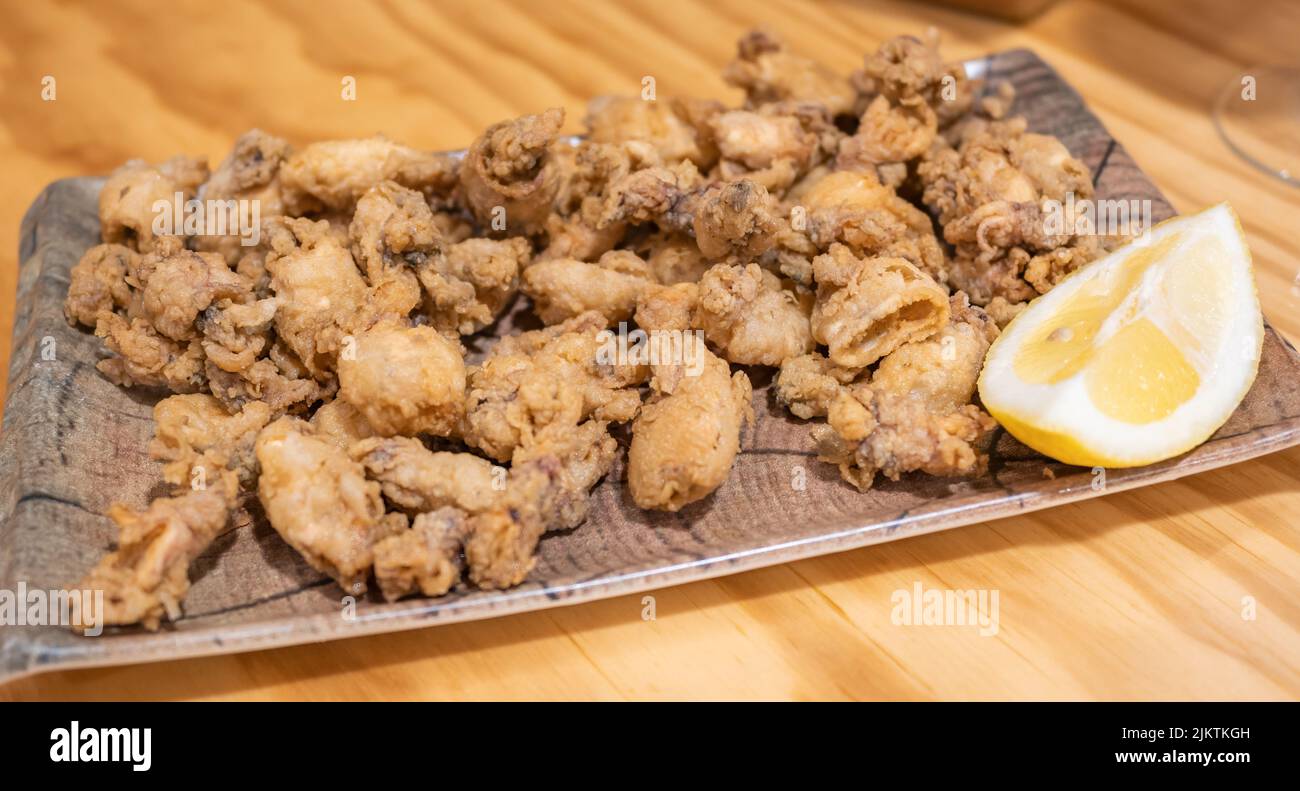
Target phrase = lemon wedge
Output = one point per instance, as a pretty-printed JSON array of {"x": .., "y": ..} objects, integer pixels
[{"x": 1138, "y": 356}]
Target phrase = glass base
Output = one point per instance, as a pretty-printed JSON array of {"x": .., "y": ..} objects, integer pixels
[{"x": 1258, "y": 115}]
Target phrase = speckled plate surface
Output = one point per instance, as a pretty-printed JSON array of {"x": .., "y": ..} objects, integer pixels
[{"x": 72, "y": 443}]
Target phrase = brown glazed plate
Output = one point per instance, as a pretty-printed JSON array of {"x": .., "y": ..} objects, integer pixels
[{"x": 73, "y": 443}]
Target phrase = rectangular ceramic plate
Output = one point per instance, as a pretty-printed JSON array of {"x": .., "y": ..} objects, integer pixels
[{"x": 73, "y": 443}]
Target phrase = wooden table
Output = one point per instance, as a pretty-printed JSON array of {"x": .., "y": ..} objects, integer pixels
[{"x": 1138, "y": 595}]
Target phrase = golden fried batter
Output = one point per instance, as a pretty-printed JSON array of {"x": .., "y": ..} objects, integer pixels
[
  {"x": 198, "y": 439},
  {"x": 688, "y": 434},
  {"x": 856, "y": 210},
  {"x": 182, "y": 285},
  {"x": 547, "y": 490},
  {"x": 734, "y": 219},
  {"x": 333, "y": 175},
  {"x": 266, "y": 380},
  {"x": 393, "y": 233},
  {"x": 673, "y": 257},
  {"x": 146, "y": 577},
  {"x": 535, "y": 387},
  {"x": 319, "y": 501},
  {"x": 472, "y": 282},
  {"x": 989, "y": 195},
  {"x": 588, "y": 172},
  {"x": 808, "y": 384},
  {"x": 673, "y": 307},
  {"x": 417, "y": 479},
  {"x": 657, "y": 194},
  {"x": 916, "y": 412},
  {"x": 319, "y": 289},
  {"x": 677, "y": 130},
  {"x": 340, "y": 423},
  {"x": 509, "y": 177},
  {"x": 234, "y": 335},
  {"x": 318, "y": 356},
  {"x": 867, "y": 307},
  {"x": 775, "y": 145},
  {"x": 404, "y": 380},
  {"x": 248, "y": 176},
  {"x": 424, "y": 559},
  {"x": 127, "y": 199},
  {"x": 768, "y": 72},
  {"x": 99, "y": 284},
  {"x": 563, "y": 288},
  {"x": 752, "y": 317},
  {"x": 145, "y": 358}
]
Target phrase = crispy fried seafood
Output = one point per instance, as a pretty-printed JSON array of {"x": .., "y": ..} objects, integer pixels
[
  {"x": 988, "y": 191},
  {"x": 687, "y": 435},
  {"x": 846, "y": 229},
  {"x": 916, "y": 411}
]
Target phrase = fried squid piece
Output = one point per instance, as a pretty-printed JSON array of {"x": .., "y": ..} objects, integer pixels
[
  {"x": 563, "y": 288},
  {"x": 656, "y": 194},
  {"x": 672, "y": 257},
  {"x": 907, "y": 71},
  {"x": 677, "y": 129},
  {"x": 537, "y": 386},
  {"x": 588, "y": 171},
  {"x": 547, "y": 490},
  {"x": 99, "y": 284},
  {"x": 425, "y": 559},
  {"x": 339, "y": 422},
  {"x": 1003, "y": 312},
  {"x": 234, "y": 335},
  {"x": 502, "y": 541},
  {"x": 509, "y": 174},
  {"x": 768, "y": 72},
  {"x": 146, "y": 577},
  {"x": 775, "y": 145},
  {"x": 728, "y": 219},
  {"x": 904, "y": 86},
  {"x": 333, "y": 175},
  {"x": 393, "y": 233},
  {"x": 856, "y": 210},
  {"x": 249, "y": 176},
  {"x": 126, "y": 202},
  {"x": 916, "y": 412},
  {"x": 990, "y": 194},
  {"x": 752, "y": 317},
  {"x": 585, "y": 454},
  {"x": 888, "y": 134},
  {"x": 198, "y": 439},
  {"x": 266, "y": 380},
  {"x": 808, "y": 384},
  {"x": 868, "y": 307},
  {"x": 687, "y": 436},
  {"x": 146, "y": 359},
  {"x": 318, "y": 288},
  {"x": 472, "y": 282},
  {"x": 667, "y": 308},
  {"x": 404, "y": 380},
  {"x": 417, "y": 479},
  {"x": 733, "y": 219},
  {"x": 320, "y": 502},
  {"x": 182, "y": 285}
]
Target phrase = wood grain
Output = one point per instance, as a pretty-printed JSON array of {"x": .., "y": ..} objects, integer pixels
[{"x": 1135, "y": 595}]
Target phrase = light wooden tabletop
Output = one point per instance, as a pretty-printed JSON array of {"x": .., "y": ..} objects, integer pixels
[{"x": 1188, "y": 589}]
